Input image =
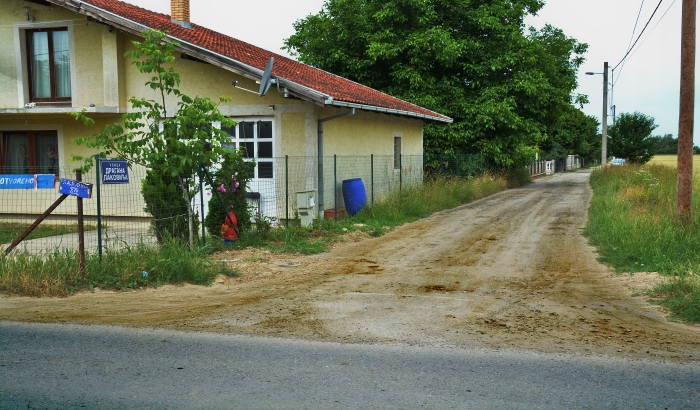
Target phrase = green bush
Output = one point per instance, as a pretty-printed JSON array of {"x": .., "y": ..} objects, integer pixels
[
  {"x": 232, "y": 164},
  {"x": 58, "y": 273},
  {"x": 165, "y": 202}
]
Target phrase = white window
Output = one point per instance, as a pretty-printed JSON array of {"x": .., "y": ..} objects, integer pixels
[{"x": 254, "y": 138}]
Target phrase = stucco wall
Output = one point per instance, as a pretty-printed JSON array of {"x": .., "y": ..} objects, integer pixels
[
  {"x": 105, "y": 78},
  {"x": 86, "y": 52}
]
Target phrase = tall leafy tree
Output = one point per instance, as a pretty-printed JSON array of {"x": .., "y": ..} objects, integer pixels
[
  {"x": 575, "y": 133},
  {"x": 630, "y": 137},
  {"x": 172, "y": 146},
  {"x": 472, "y": 60}
]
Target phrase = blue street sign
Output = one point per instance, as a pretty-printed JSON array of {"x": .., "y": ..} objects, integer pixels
[
  {"x": 114, "y": 172},
  {"x": 17, "y": 181},
  {"x": 28, "y": 181},
  {"x": 75, "y": 188},
  {"x": 45, "y": 181}
]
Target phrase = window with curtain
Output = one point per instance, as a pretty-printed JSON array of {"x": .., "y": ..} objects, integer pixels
[
  {"x": 29, "y": 152},
  {"x": 48, "y": 57}
]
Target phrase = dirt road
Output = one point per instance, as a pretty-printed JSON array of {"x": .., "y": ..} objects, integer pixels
[{"x": 509, "y": 271}]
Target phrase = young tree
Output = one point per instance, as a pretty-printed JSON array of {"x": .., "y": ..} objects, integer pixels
[
  {"x": 175, "y": 145},
  {"x": 470, "y": 60},
  {"x": 630, "y": 137}
]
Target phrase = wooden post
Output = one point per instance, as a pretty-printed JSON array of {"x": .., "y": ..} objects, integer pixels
[
  {"x": 604, "y": 126},
  {"x": 81, "y": 225},
  {"x": 686, "y": 112},
  {"x": 33, "y": 226}
]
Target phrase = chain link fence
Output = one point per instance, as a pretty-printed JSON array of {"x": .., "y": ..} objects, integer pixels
[{"x": 117, "y": 216}]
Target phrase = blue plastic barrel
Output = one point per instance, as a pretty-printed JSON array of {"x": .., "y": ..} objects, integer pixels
[{"x": 354, "y": 195}]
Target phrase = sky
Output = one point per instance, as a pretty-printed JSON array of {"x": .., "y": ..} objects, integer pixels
[{"x": 647, "y": 82}]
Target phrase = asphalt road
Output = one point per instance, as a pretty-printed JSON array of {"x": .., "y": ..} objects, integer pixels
[{"x": 73, "y": 366}]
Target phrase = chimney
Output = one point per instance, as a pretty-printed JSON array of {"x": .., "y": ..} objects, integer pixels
[{"x": 180, "y": 12}]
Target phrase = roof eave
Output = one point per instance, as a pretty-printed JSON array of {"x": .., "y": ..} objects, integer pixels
[
  {"x": 366, "y": 107},
  {"x": 202, "y": 53},
  {"x": 231, "y": 64}
]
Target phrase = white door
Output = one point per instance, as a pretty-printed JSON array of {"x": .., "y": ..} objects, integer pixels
[{"x": 255, "y": 137}]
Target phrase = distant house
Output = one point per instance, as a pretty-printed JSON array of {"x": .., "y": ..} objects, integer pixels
[{"x": 61, "y": 56}]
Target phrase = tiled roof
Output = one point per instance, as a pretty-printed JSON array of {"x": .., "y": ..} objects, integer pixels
[{"x": 340, "y": 89}]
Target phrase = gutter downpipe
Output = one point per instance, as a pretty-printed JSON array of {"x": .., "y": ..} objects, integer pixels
[{"x": 320, "y": 155}]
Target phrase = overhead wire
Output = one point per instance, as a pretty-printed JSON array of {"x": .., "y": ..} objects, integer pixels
[
  {"x": 643, "y": 41},
  {"x": 652, "y": 29},
  {"x": 634, "y": 30},
  {"x": 640, "y": 35}
]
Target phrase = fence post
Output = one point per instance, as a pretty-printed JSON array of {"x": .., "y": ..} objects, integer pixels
[
  {"x": 400, "y": 171},
  {"x": 371, "y": 169},
  {"x": 81, "y": 225},
  {"x": 335, "y": 187},
  {"x": 286, "y": 189},
  {"x": 98, "y": 161},
  {"x": 201, "y": 206}
]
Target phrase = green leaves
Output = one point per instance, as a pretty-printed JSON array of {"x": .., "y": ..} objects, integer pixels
[
  {"x": 630, "y": 137},
  {"x": 471, "y": 60}
]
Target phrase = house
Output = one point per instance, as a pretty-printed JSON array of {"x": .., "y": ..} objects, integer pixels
[{"x": 62, "y": 56}]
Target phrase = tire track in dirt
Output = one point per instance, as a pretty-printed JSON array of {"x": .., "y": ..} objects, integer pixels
[{"x": 508, "y": 271}]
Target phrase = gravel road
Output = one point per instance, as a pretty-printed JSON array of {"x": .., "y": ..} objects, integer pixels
[
  {"x": 506, "y": 288},
  {"x": 73, "y": 367}
]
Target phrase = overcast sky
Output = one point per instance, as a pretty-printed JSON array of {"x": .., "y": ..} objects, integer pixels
[{"x": 648, "y": 82}]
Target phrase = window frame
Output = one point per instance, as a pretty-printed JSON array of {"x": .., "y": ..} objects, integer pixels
[
  {"x": 52, "y": 71},
  {"x": 397, "y": 151},
  {"x": 241, "y": 138},
  {"x": 30, "y": 148}
]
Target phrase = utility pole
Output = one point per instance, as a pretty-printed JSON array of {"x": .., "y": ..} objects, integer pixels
[
  {"x": 686, "y": 112},
  {"x": 604, "y": 146}
]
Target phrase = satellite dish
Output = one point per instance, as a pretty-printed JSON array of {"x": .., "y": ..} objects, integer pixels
[{"x": 266, "y": 81}]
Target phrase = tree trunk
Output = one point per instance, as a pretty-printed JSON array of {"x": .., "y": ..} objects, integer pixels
[{"x": 190, "y": 212}]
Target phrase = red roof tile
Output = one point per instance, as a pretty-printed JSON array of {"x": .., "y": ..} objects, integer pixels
[{"x": 339, "y": 88}]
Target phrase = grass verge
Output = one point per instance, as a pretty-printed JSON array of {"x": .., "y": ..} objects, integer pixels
[
  {"x": 631, "y": 222},
  {"x": 58, "y": 274},
  {"x": 9, "y": 231},
  {"x": 396, "y": 208}
]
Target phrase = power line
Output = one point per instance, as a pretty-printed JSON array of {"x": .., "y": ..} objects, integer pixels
[
  {"x": 634, "y": 30},
  {"x": 640, "y": 35},
  {"x": 652, "y": 30},
  {"x": 645, "y": 39}
]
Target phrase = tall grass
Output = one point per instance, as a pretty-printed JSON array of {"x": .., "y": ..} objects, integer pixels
[
  {"x": 58, "y": 273},
  {"x": 416, "y": 202},
  {"x": 632, "y": 222},
  {"x": 398, "y": 207}
]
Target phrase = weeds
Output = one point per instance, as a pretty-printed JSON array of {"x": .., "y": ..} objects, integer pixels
[
  {"x": 631, "y": 221},
  {"x": 58, "y": 273},
  {"x": 173, "y": 262}
]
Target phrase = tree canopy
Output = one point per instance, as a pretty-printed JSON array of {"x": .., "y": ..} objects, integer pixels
[
  {"x": 667, "y": 145},
  {"x": 472, "y": 60},
  {"x": 630, "y": 137}
]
